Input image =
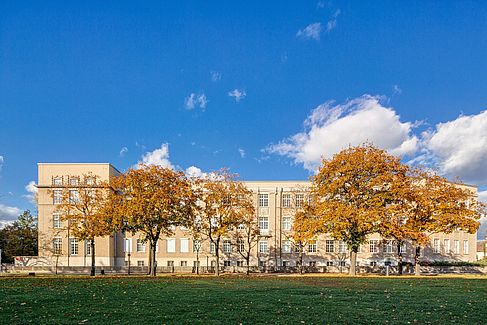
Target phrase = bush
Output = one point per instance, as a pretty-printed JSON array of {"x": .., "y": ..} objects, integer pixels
[{"x": 455, "y": 263}]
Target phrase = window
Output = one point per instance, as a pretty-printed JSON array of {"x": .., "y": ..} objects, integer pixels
[
  {"x": 73, "y": 196},
  {"x": 446, "y": 246},
  {"x": 373, "y": 263},
  {"x": 342, "y": 247},
  {"x": 170, "y": 263},
  {"x": 73, "y": 181},
  {"x": 57, "y": 197},
  {"x": 184, "y": 263},
  {"x": 286, "y": 246},
  {"x": 312, "y": 263},
  {"x": 329, "y": 263},
  {"x": 341, "y": 263},
  {"x": 227, "y": 263},
  {"x": 402, "y": 248},
  {"x": 240, "y": 263},
  {"x": 263, "y": 200},
  {"x": 373, "y": 246},
  {"x": 88, "y": 247},
  {"x": 264, "y": 223},
  {"x": 73, "y": 246},
  {"x": 465, "y": 247},
  {"x": 58, "y": 181},
  {"x": 240, "y": 245},
  {"x": 171, "y": 245},
  {"x": 57, "y": 246},
  {"x": 330, "y": 246},
  {"x": 196, "y": 263},
  {"x": 388, "y": 245},
  {"x": 286, "y": 200},
  {"x": 128, "y": 245},
  {"x": 140, "y": 246},
  {"x": 286, "y": 223},
  {"x": 299, "y": 200},
  {"x": 90, "y": 180},
  {"x": 436, "y": 246},
  {"x": 56, "y": 220},
  {"x": 227, "y": 247},
  {"x": 312, "y": 246},
  {"x": 184, "y": 245},
  {"x": 456, "y": 246},
  {"x": 298, "y": 247},
  {"x": 212, "y": 248},
  {"x": 263, "y": 246},
  {"x": 140, "y": 263}
]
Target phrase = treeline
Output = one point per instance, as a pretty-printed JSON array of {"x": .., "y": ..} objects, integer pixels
[
  {"x": 19, "y": 238},
  {"x": 360, "y": 191}
]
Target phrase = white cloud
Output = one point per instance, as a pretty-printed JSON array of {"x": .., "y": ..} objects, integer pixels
[
  {"x": 312, "y": 31},
  {"x": 195, "y": 172},
  {"x": 215, "y": 76},
  {"x": 482, "y": 196},
  {"x": 31, "y": 188},
  {"x": 237, "y": 94},
  {"x": 459, "y": 147},
  {"x": 332, "y": 23},
  {"x": 1, "y": 162},
  {"x": 195, "y": 100},
  {"x": 8, "y": 214},
  {"x": 158, "y": 157},
  {"x": 123, "y": 151},
  {"x": 396, "y": 90},
  {"x": 242, "y": 152},
  {"x": 330, "y": 128}
]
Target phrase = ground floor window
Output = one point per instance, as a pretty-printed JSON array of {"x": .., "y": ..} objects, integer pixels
[
  {"x": 140, "y": 263},
  {"x": 184, "y": 263},
  {"x": 170, "y": 263},
  {"x": 227, "y": 263},
  {"x": 57, "y": 246}
]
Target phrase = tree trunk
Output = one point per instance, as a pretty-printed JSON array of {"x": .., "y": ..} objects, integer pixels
[
  {"x": 248, "y": 263},
  {"x": 399, "y": 254},
  {"x": 92, "y": 244},
  {"x": 150, "y": 260},
  {"x": 197, "y": 262},
  {"x": 153, "y": 269},
  {"x": 353, "y": 261},
  {"x": 417, "y": 266},
  {"x": 300, "y": 258},
  {"x": 217, "y": 253}
]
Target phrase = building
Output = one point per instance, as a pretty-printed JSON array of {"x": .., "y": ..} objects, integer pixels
[{"x": 274, "y": 205}]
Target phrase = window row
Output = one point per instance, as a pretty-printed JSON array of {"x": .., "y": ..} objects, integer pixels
[
  {"x": 447, "y": 249},
  {"x": 73, "y": 181},
  {"x": 73, "y": 246},
  {"x": 140, "y": 245}
]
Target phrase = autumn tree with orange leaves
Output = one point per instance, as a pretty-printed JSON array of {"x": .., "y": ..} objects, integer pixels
[
  {"x": 430, "y": 205},
  {"x": 352, "y": 191},
  {"x": 152, "y": 200},
  {"x": 226, "y": 204},
  {"x": 80, "y": 203}
]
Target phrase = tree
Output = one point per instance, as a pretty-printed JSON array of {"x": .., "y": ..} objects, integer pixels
[
  {"x": 351, "y": 193},
  {"x": 247, "y": 233},
  {"x": 152, "y": 200},
  {"x": 19, "y": 238},
  {"x": 225, "y": 204},
  {"x": 433, "y": 205},
  {"x": 80, "y": 205},
  {"x": 305, "y": 229}
]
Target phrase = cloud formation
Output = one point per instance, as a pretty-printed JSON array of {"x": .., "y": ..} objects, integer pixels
[
  {"x": 195, "y": 172},
  {"x": 8, "y": 214},
  {"x": 158, "y": 157},
  {"x": 459, "y": 147},
  {"x": 31, "y": 188},
  {"x": 332, "y": 23},
  {"x": 237, "y": 94},
  {"x": 312, "y": 31},
  {"x": 1, "y": 162},
  {"x": 195, "y": 100},
  {"x": 242, "y": 153},
  {"x": 330, "y": 128},
  {"x": 215, "y": 76},
  {"x": 123, "y": 151},
  {"x": 483, "y": 196}
]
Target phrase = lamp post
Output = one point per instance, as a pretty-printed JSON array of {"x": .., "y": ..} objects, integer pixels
[{"x": 129, "y": 262}]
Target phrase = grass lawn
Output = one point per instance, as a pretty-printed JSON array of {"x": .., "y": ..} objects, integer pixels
[{"x": 247, "y": 300}]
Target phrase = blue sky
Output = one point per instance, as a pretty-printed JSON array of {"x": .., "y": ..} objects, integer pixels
[{"x": 265, "y": 88}]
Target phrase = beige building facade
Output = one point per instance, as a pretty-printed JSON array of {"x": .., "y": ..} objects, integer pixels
[{"x": 275, "y": 203}]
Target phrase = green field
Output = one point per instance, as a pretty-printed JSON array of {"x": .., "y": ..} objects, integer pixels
[{"x": 234, "y": 300}]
